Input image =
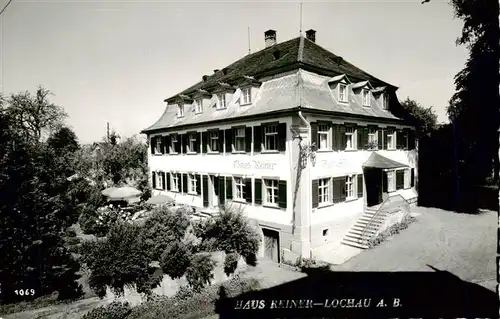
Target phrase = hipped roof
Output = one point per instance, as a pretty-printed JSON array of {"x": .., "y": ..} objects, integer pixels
[{"x": 378, "y": 161}]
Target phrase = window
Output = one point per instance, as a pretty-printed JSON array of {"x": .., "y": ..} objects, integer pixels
[
  {"x": 350, "y": 140},
  {"x": 391, "y": 139},
  {"x": 349, "y": 186},
  {"x": 323, "y": 136},
  {"x": 324, "y": 191},
  {"x": 175, "y": 182},
  {"x": 221, "y": 101},
  {"x": 390, "y": 181},
  {"x": 400, "y": 179},
  {"x": 271, "y": 138},
  {"x": 342, "y": 92},
  {"x": 372, "y": 138},
  {"x": 192, "y": 142},
  {"x": 180, "y": 112},
  {"x": 407, "y": 178},
  {"x": 239, "y": 186},
  {"x": 158, "y": 145},
  {"x": 366, "y": 97},
  {"x": 159, "y": 180},
  {"x": 213, "y": 141},
  {"x": 384, "y": 101},
  {"x": 191, "y": 183},
  {"x": 247, "y": 96},
  {"x": 271, "y": 189},
  {"x": 239, "y": 140},
  {"x": 199, "y": 106},
  {"x": 174, "y": 141}
]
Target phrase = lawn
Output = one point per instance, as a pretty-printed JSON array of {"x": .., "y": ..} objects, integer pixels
[{"x": 462, "y": 244}]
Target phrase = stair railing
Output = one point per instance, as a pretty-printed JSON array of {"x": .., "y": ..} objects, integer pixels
[{"x": 379, "y": 210}]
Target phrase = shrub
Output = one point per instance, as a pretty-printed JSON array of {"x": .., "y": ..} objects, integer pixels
[
  {"x": 198, "y": 305},
  {"x": 175, "y": 260},
  {"x": 307, "y": 263},
  {"x": 230, "y": 231},
  {"x": 120, "y": 259},
  {"x": 163, "y": 227},
  {"x": 114, "y": 310},
  {"x": 231, "y": 263},
  {"x": 199, "y": 273},
  {"x": 392, "y": 230}
]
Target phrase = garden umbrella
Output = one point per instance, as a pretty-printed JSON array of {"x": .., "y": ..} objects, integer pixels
[
  {"x": 159, "y": 199},
  {"x": 121, "y": 193}
]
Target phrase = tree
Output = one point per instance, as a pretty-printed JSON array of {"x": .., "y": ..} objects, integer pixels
[
  {"x": 63, "y": 141},
  {"x": 34, "y": 215},
  {"x": 424, "y": 119},
  {"x": 473, "y": 109},
  {"x": 119, "y": 260},
  {"x": 35, "y": 116}
]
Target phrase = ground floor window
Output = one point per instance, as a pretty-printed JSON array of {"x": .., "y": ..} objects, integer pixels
[
  {"x": 239, "y": 187},
  {"x": 175, "y": 182},
  {"x": 349, "y": 186},
  {"x": 192, "y": 183},
  {"x": 407, "y": 178},
  {"x": 324, "y": 191},
  {"x": 271, "y": 191},
  {"x": 390, "y": 181},
  {"x": 159, "y": 180}
]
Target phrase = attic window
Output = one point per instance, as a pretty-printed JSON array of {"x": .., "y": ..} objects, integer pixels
[
  {"x": 366, "y": 97},
  {"x": 338, "y": 59},
  {"x": 276, "y": 54},
  {"x": 342, "y": 92},
  {"x": 224, "y": 71},
  {"x": 247, "y": 96},
  {"x": 384, "y": 101},
  {"x": 180, "y": 111},
  {"x": 221, "y": 101}
]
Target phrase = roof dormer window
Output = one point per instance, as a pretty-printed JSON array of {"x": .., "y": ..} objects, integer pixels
[
  {"x": 343, "y": 92},
  {"x": 384, "y": 101},
  {"x": 366, "y": 97},
  {"x": 180, "y": 110},
  {"x": 198, "y": 104},
  {"x": 221, "y": 101},
  {"x": 247, "y": 95}
]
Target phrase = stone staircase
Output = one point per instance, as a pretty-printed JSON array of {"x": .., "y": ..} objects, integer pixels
[{"x": 355, "y": 237}]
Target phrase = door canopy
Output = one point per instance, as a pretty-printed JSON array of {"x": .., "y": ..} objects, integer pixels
[{"x": 378, "y": 161}]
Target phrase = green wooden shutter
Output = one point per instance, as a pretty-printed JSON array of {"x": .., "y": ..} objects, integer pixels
[
  {"x": 184, "y": 183},
  {"x": 400, "y": 179},
  {"x": 412, "y": 177},
  {"x": 178, "y": 144},
  {"x": 360, "y": 185},
  {"x": 205, "y": 190},
  {"x": 399, "y": 139},
  {"x": 314, "y": 134},
  {"x": 163, "y": 180},
  {"x": 335, "y": 137},
  {"x": 384, "y": 182},
  {"x": 282, "y": 191},
  {"x": 385, "y": 140},
  {"x": 168, "y": 142},
  {"x": 282, "y": 137},
  {"x": 229, "y": 187},
  {"x": 360, "y": 142},
  {"x": 228, "y": 135},
  {"x": 342, "y": 189},
  {"x": 220, "y": 141},
  {"x": 257, "y": 138},
  {"x": 222, "y": 191},
  {"x": 314, "y": 192},
  {"x": 337, "y": 191},
  {"x": 168, "y": 182},
  {"x": 380, "y": 139},
  {"x": 198, "y": 184},
  {"x": 153, "y": 143},
  {"x": 153, "y": 179},
  {"x": 184, "y": 141},
  {"x": 342, "y": 138},
  {"x": 204, "y": 142},
  {"x": 248, "y": 139},
  {"x": 411, "y": 140},
  {"x": 258, "y": 191},
  {"x": 248, "y": 190}
]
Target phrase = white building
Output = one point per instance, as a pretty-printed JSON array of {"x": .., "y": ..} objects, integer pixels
[{"x": 237, "y": 137}]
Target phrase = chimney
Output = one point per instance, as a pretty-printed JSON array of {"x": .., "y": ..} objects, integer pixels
[
  {"x": 311, "y": 35},
  {"x": 270, "y": 38}
]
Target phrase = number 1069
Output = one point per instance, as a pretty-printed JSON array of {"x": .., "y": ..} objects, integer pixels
[{"x": 25, "y": 292}]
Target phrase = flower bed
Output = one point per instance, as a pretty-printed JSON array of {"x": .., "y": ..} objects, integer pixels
[{"x": 392, "y": 230}]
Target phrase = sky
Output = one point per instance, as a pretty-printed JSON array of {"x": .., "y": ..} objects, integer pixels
[{"x": 116, "y": 61}]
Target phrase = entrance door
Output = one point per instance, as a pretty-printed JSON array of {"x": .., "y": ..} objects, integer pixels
[
  {"x": 373, "y": 181},
  {"x": 271, "y": 244}
]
